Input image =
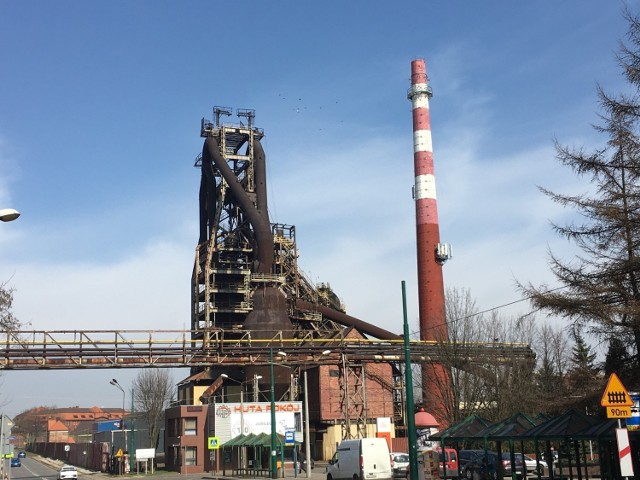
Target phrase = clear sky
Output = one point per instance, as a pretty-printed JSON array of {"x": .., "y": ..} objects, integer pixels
[{"x": 100, "y": 108}]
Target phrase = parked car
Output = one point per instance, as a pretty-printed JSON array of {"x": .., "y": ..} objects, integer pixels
[
  {"x": 450, "y": 467},
  {"x": 67, "y": 471},
  {"x": 399, "y": 464},
  {"x": 519, "y": 464},
  {"x": 365, "y": 458},
  {"x": 15, "y": 462},
  {"x": 22, "y": 454},
  {"x": 532, "y": 465}
]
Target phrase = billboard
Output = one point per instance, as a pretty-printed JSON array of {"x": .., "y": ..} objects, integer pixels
[{"x": 255, "y": 417}]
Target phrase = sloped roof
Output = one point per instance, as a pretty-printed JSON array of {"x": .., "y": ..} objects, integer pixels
[
  {"x": 56, "y": 426},
  {"x": 566, "y": 425},
  {"x": 602, "y": 429},
  {"x": 509, "y": 428},
  {"x": 253, "y": 440},
  {"x": 467, "y": 428}
]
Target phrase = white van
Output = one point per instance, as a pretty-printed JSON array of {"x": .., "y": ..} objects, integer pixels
[{"x": 361, "y": 459}]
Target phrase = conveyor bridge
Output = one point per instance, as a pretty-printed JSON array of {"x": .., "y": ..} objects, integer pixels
[{"x": 78, "y": 349}]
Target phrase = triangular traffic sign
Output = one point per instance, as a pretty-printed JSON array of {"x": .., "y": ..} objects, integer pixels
[{"x": 615, "y": 395}]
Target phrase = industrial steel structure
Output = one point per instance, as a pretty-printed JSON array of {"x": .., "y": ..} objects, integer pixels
[{"x": 250, "y": 298}]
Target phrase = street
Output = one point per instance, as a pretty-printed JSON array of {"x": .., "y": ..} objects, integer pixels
[{"x": 36, "y": 467}]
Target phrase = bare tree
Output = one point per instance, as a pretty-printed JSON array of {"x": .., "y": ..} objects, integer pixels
[
  {"x": 552, "y": 349},
  {"x": 488, "y": 386},
  {"x": 153, "y": 390},
  {"x": 7, "y": 320}
]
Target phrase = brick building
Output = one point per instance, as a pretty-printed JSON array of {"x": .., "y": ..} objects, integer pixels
[{"x": 364, "y": 390}]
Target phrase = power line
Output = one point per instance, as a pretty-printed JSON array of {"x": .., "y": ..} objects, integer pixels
[{"x": 482, "y": 312}]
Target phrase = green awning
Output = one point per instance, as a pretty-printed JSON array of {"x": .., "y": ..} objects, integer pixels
[{"x": 252, "y": 440}]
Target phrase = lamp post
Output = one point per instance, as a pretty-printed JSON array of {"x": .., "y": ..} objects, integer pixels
[
  {"x": 411, "y": 418},
  {"x": 115, "y": 383},
  {"x": 272, "y": 396},
  {"x": 2, "y": 445},
  {"x": 8, "y": 214}
]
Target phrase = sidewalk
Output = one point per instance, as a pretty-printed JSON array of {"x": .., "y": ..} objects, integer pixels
[
  {"x": 56, "y": 464},
  {"x": 319, "y": 472}
]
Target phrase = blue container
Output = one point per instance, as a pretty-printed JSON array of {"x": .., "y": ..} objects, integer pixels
[
  {"x": 107, "y": 426},
  {"x": 633, "y": 422}
]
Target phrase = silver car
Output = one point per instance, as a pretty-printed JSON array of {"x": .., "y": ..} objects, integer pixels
[
  {"x": 399, "y": 464},
  {"x": 68, "y": 472}
]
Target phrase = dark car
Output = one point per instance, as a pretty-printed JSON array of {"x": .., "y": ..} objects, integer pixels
[
  {"x": 484, "y": 464},
  {"x": 15, "y": 462},
  {"x": 22, "y": 454},
  {"x": 519, "y": 464}
]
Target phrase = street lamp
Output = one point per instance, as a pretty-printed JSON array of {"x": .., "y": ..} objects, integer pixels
[
  {"x": 411, "y": 415},
  {"x": 274, "y": 471},
  {"x": 8, "y": 214},
  {"x": 115, "y": 383}
]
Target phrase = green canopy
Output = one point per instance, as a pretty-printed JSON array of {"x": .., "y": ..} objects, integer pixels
[{"x": 253, "y": 440}]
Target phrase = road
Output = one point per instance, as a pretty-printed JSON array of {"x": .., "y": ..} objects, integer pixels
[
  {"x": 39, "y": 468},
  {"x": 31, "y": 469}
]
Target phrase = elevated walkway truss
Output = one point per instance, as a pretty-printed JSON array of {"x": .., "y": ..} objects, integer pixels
[{"x": 65, "y": 349}]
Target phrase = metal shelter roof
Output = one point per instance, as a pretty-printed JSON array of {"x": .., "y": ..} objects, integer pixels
[
  {"x": 467, "y": 428},
  {"x": 252, "y": 440},
  {"x": 566, "y": 425},
  {"x": 605, "y": 429},
  {"x": 511, "y": 428},
  {"x": 572, "y": 424}
]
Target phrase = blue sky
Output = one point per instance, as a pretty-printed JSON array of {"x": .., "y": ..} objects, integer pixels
[{"x": 100, "y": 108}]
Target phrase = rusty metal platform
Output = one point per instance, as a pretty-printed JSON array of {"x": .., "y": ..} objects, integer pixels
[{"x": 73, "y": 349}]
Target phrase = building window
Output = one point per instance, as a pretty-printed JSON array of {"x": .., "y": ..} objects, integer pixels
[
  {"x": 173, "y": 427},
  {"x": 190, "y": 455},
  {"x": 190, "y": 426}
]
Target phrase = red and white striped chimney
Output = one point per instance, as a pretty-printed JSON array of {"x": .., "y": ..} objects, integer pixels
[{"x": 430, "y": 254}]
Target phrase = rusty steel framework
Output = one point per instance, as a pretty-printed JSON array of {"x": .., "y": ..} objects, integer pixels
[
  {"x": 249, "y": 296},
  {"x": 353, "y": 398},
  {"x": 65, "y": 349}
]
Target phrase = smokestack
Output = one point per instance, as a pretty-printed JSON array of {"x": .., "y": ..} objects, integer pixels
[{"x": 431, "y": 255}]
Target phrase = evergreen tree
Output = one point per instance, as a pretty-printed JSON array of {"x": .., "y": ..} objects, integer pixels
[
  {"x": 617, "y": 361},
  {"x": 583, "y": 357},
  {"x": 601, "y": 286}
]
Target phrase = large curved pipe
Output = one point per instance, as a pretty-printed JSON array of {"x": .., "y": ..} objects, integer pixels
[
  {"x": 208, "y": 197},
  {"x": 202, "y": 201},
  {"x": 260, "y": 178},
  {"x": 259, "y": 221},
  {"x": 347, "y": 320}
]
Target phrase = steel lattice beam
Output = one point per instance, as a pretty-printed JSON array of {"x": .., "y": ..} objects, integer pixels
[{"x": 33, "y": 350}]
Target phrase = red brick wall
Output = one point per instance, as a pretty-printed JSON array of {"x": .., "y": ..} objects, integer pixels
[{"x": 379, "y": 400}]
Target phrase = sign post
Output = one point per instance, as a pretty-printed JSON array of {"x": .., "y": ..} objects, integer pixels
[{"x": 618, "y": 403}]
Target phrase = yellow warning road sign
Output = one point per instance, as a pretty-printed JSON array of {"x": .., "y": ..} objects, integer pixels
[
  {"x": 119, "y": 453},
  {"x": 615, "y": 395},
  {"x": 618, "y": 412}
]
